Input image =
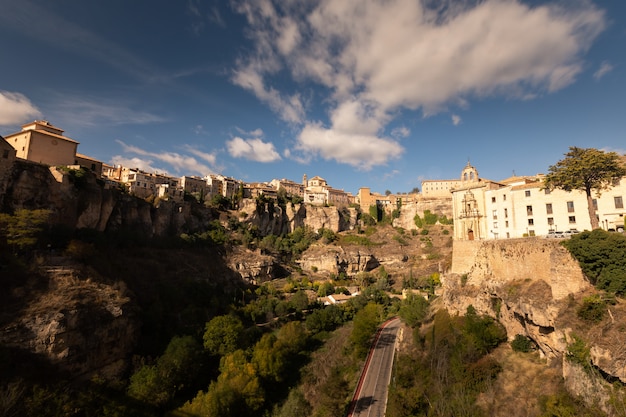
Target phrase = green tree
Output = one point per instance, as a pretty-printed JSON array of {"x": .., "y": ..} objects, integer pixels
[
  {"x": 413, "y": 309},
  {"x": 175, "y": 369},
  {"x": 222, "y": 335},
  {"x": 586, "y": 169},
  {"x": 365, "y": 325},
  {"x": 21, "y": 229}
]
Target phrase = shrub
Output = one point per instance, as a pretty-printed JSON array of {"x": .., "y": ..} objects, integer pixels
[
  {"x": 521, "y": 343},
  {"x": 593, "y": 309},
  {"x": 602, "y": 257},
  {"x": 579, "y": 353}
]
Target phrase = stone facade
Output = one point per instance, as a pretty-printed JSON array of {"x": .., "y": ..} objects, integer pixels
[{"x": 44, "y": 143}]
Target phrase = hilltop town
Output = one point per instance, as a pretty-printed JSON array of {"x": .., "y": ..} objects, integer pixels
[{"x": 482, "y": 209}]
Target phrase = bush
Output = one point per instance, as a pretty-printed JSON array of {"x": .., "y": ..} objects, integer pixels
[
  {"x": 579, "y": 353},
  {"x": 593, "y": 309},
  {"x": 602, "y": 257},
  {"x": 521, "y": 343}
]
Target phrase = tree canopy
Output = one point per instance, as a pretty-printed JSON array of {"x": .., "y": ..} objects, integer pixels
[{"x": 586, "y": 169}]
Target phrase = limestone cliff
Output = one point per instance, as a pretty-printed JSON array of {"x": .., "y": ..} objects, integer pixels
[
  {"x": 533, "y": 287},
  {"x": 80, "y": 326},
  {"x": 270, "y": 218},
  {"x": 83, "y": 202}
]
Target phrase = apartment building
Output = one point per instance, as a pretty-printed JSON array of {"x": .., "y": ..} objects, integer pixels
[{"x": 520, "y": 206}]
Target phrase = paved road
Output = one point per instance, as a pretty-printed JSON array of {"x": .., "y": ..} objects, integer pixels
[{"x": 370, "y": 398}]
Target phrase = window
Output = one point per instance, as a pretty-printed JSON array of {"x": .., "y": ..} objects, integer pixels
[
  {"x": 531, "y": 222},
  {"x": 570, "y": 206},
  {"x": 551, "y": 221},
  {"x": 504, "y": 197},
  {"x": 549, "y": 208},
  {"x": 495, "y": 225},
  {"x": 5, "y": 153},
  {"x": 493, "y": 199},
  {"x": 572, "y": 219},
  {"x": 619, "y": 203},
  {"x": 527, "y": 193},
  {"x": 529, "y": 210},
  {"x": 506, "y": 213},
  {"x": 506, "y": 223},
  {"x": 547, "y": 191},
  {"x": 494, "y": 213}
]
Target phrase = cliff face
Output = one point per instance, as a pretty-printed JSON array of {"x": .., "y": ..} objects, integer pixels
[
  {"x": 80, "y": 326},
  {"x": 84, "y": 202},
  {"x": 273, "y": 219},
  {"x": 534, "y": 287}
]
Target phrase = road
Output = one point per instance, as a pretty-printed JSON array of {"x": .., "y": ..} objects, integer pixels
[{"x": 370, "y": 397}]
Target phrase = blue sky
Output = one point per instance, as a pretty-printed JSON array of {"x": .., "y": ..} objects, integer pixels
[{"x": 376, "y": 93}]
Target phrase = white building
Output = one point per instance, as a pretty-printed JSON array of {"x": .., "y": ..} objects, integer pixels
[{"x": 520, "y": 206}]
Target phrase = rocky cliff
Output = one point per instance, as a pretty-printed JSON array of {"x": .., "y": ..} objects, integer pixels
[
  {"x": 533, "y": 287},
  {"x": 76, "y": 324}
]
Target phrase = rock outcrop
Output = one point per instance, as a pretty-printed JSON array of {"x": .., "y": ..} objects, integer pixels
[
  {"x": 270, "y": 218},
  {"x": 80, "y": 326},
  {"x": 533, "y": 287}
]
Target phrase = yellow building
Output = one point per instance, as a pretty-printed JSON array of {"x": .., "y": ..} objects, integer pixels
[{"x": 44, "y": 143}]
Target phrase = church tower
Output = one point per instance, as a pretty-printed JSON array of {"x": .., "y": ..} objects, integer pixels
[{"x": 469, "y": 174}]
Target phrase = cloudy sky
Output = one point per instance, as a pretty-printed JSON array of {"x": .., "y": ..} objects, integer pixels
[{"x": 376, "y": 93}]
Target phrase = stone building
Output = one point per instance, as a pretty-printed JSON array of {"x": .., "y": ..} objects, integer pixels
[{"x": 44, "y": 143}]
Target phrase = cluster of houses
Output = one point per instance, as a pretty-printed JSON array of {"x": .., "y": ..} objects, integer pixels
[
  {"x": 515, "y": 207},
  {"x": 41, "y": 142}
]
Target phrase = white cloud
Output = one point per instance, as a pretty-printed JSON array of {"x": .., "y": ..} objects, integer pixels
[
  {"x": 252, "y": 149},
  {"x": 184, "y": 164},
  {"x": 604, "y": 69},
  {"x": 15, "y": 108},
  {"x": 456, "y": 119},
  {"x": 94, "y": 112},
  {"x": 211, "y": 158},
  {"x": 376, "y": 57},
  {"x": 359, "y": 150},
  {"x": 400, "y": 132},
  {"x": 139, "y": 163},
  {"x": 289, "y": 108}
]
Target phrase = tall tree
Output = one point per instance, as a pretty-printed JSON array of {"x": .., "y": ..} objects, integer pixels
[{"x": 586, "y": 169}]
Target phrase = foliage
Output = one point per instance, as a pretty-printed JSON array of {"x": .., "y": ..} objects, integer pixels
[
  {"x": 324, "y": 319},
  {"x": 430, "y": 218},
  {"x": 521, "y": 343},
  {"x": 236, "y": 392},
  {"x": 220, "y": 202},
  {"x": 586, "y": 169},
  {"x": 593, "y": 309},
  {"x": 418, "y": 221},
  {"x": 175, "y": 369},
  {"x": 22, "y": 229},
  {"x": 375, "y": 212},
  {"x": 365, "y": 324},
  {"x": 222, "y": 335},
  {"x": 579, "y": 353},
  {"x": 296, "y": 405},
  {"x": 448, "y": 369},
  {"x": 602, "y": 257},
  {"x": 413, "y": 309},
  {"x": 356, "y": 240}
]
